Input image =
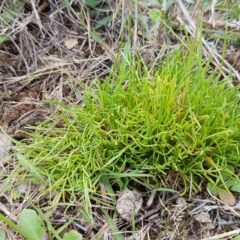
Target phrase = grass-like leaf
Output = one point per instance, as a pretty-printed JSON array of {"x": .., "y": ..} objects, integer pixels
[{"x": 177, "y": 118}]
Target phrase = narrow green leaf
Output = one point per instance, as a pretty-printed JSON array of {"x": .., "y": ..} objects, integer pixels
[
  {"x": 10, "y": 11},
  {"x": 155, "y": 14},
  {"x": 92, "y": 3},
  {"x": 28, "y": 166},
  {"x": 3, "y": 38},
  {"x": 108, "y": 187},
  {"x": 115, "y": 231},
  {"x": 11, "y": 224},
  {"x": 103, "y": 22}
]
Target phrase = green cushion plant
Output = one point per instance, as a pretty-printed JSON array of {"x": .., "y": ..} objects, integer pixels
[{"x": 174, "y": 117}]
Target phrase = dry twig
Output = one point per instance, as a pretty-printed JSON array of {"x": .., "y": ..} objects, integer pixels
[{"x": 207, "y": 50}]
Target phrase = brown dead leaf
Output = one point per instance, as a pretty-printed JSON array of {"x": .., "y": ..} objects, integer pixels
[
  {"x": 227, "y": 197},
  {"x": 70, "y": 42}
]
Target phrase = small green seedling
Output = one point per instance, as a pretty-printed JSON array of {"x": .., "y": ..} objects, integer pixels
[{"x": 31, "y": 227}]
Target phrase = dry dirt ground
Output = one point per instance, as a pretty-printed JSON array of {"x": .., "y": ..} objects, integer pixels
[{"x": 51, "y": 51}]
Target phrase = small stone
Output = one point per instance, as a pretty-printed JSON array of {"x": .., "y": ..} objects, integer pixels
[
  {"x": 203, "y": 217},
  {"x": 5, "y": 145},
  {"x": 129, "y": 203}
]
